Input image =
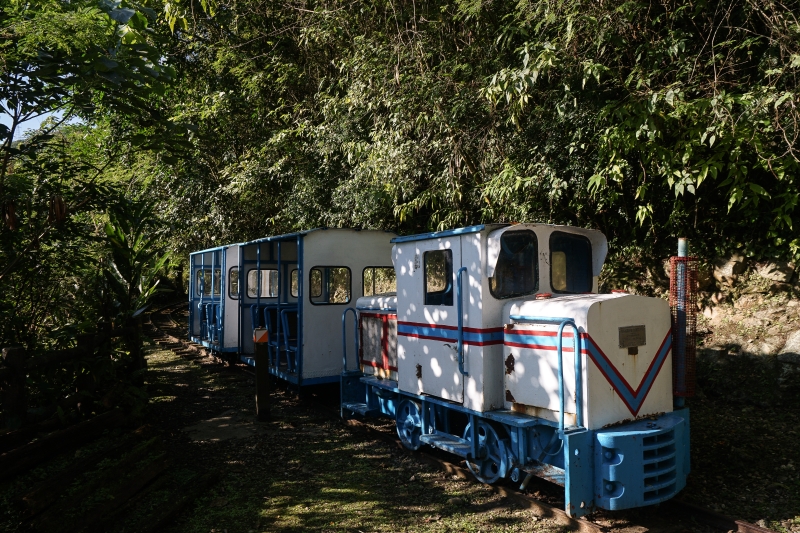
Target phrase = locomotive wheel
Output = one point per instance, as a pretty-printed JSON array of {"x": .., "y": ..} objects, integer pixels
[
  {"x": 493, "y": 464},
  {"x": 409, "y": 424}
]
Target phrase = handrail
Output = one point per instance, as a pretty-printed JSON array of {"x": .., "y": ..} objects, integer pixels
[
  {"x": 276, "y": 362},
  {"x": 460, "y": 302},
  {"x": 285, "y": 324},
  {"x": 563, "y": 322},
  {"x": 254, "y": 321},
  {"x": 285, "y": 328},
  {"x": 344, "y": 336}
]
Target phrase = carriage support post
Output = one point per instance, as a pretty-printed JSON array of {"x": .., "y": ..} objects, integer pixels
[{"x": 263, "y": 382}]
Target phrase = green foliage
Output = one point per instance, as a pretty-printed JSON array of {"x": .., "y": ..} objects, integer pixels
[
  {"x": 97, "y": 70},
  {"x": 645, "y": 120},
  {"x": 692, "y": 116},
  {"x": 134, "y": 261}
]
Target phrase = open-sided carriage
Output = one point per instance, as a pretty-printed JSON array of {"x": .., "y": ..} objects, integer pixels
[
  {"x": 287, "y": 291},
  {"x": 213, "y": 298}
]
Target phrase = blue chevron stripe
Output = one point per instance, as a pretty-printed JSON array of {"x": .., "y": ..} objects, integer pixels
[{"x": 633, "y": 399}]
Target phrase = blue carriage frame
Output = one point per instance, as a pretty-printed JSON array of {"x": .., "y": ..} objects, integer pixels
[
  {"x": 280, "y": 339},
  {"x": 211, "y": 307}
]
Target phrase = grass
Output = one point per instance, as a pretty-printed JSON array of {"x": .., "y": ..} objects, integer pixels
[{"x": 307, "y": 471}]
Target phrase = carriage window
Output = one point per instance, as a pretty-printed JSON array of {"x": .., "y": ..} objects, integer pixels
[
  {"x": 329, "y": 285},
  {"x": 295, "y": 289},
  {"x": 269, "y": 284},
  {"x": 570, "y": 263},
  {"x": 204, "y": 282},
  {"x": 233, "y": 282},
  {"x": 379, "y": 280},
  {"x": 517, "y": 270},
  {"x": 439, "y": 277}
]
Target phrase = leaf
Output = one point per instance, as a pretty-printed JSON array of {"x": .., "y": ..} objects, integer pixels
[
  {"x": 758, "y": 189},
  {"x": 122, "y": 15}
]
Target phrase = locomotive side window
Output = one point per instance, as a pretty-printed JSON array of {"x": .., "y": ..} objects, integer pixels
[
  {"x": 517, "y": 270},
  {"x": 439, "y": 277},
  {"x": 570, "y": 263},
  {"x": 203, "y": 282},
  {"x": 269, "y": 284},
  {"x": 379, "y": 280},
  {"x": 233, "y": 282},
  {"x": 295, "y": 290},
  {"x": 329, "y": 285}
]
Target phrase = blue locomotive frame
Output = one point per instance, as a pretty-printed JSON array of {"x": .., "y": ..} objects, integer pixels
[{"x": 630, "y": 465}]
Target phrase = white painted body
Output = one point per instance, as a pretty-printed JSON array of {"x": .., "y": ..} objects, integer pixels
[
  {"x": 378, "y": 335},
  {"x": 230, "y": 322},
  {"x": 356, "y": 250},
  {"x": 430, "y": 365},
  {"x": 534, "y": 380},
  {"x": 378, "y": 302}
]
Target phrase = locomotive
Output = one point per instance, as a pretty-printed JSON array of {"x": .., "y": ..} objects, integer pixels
[{"x": 496, "y": 347}]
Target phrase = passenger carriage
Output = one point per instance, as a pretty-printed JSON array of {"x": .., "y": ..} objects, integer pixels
[
  {"x": 496, "y": 347},
  {"x": 213, "y": 298},
  {"x": 292, "y": 291}
]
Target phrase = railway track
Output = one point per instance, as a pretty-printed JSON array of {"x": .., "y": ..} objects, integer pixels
[{"x": 168, "y": 334}]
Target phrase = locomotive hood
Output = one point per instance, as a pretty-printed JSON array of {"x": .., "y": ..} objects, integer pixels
[
  {"x": 574, "y": 306},
  {"x": 626, "y": 359}
]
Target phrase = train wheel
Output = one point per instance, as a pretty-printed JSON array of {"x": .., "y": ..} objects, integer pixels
[
  {"x": 493, "y": 464},
  {"x": 409, "y": 423}
]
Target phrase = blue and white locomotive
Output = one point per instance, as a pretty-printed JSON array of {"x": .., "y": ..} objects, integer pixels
[{"x": 497, "y": 348}]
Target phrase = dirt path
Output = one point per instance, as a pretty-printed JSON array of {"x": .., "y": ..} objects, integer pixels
[{"x": 306, "y": 470}]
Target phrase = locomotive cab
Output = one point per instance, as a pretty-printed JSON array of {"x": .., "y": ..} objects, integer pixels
[
  {"x": 452, "y": 287},
  {"x": 507, "y": 356}
]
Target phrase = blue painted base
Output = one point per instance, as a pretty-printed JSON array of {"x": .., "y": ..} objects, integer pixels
[
  {"x": 631, "y": 465},
  {"x": 290, "y": 376}
]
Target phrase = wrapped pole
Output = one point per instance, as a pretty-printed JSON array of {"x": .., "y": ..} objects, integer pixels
[{"x": 683, "y": 305}]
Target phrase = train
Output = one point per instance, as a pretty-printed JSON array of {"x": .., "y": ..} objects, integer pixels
[{"x": 490, "y": 342}]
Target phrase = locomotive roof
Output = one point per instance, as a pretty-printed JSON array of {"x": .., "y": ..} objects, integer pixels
[
  {"x": 448, "y": 233},
  {"x": 480, "y": 227}
]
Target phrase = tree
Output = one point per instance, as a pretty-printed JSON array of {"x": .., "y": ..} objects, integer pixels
[{"x": 98, "y": 64}]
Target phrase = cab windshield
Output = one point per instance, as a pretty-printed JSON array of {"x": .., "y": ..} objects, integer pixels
[
  {"x": 570, "y": 263},
  {"x": 517, "y": 270}
]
